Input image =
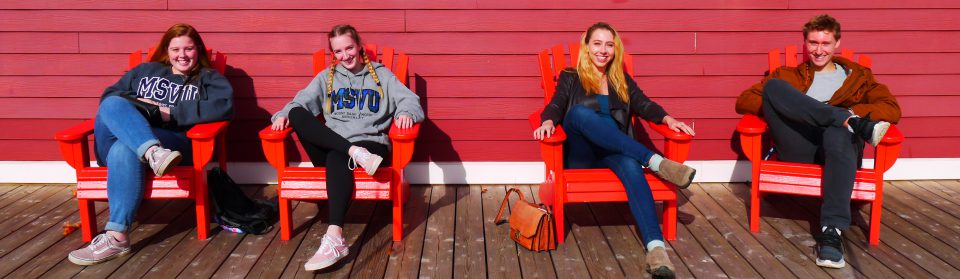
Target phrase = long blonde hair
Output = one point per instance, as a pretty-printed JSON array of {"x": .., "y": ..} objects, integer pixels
[
  {"x": 341, "y": 30},
  {"x": 590, "y": 76}
]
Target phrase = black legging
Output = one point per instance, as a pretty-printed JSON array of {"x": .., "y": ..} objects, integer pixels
[{"x": 328, "y": 149}]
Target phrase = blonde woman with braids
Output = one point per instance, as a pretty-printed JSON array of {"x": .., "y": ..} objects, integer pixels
[
  {"x": 359, "y": 100},
  {"x": 594, "y": 102}
]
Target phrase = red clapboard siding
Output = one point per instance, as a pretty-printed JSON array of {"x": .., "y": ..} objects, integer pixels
[
  {"x": 860, "y": 41},
  {"x": 159, "y": 21},
  {"x": 313, "y": 4},
  {"x": 860, "y": 4},
  {"x": 457, "y": 108},
  {"x": 36, "y": 42},
  {"x": 489, "y": 87},
  {"x": 474, "y": 65},
  {"x": 675, "y": 20},
  {"x": 85, "y": 4}
]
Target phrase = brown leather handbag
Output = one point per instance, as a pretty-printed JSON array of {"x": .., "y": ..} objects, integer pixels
[{"x": 531, "y": 225}]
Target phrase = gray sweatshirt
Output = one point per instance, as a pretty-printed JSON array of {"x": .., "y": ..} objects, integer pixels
[{"x": 357, "y": 111}]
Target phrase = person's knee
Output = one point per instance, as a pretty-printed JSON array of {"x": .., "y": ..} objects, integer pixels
[
  {"x": 577, "y": 112},
  {"x": 111, "y": 102},
  {"x": 774, "y": 86}
]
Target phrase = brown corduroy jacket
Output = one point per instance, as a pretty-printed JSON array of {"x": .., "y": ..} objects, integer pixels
[{"x": 860, "y": 92}]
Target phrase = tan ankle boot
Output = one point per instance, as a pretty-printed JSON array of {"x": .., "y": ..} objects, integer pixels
[
  {"x": 676, "y": 173},
  {"x": 658, "y": 263}
]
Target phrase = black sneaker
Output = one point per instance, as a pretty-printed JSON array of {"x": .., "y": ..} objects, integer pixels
[
  {"x": 870, "y": 131},
  {"x": 830, "y": 248}
]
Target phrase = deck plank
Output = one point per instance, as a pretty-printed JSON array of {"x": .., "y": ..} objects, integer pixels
[
  {"x": 767, "y": 263},
  {"x": 469, "y": 251},
  {"x": 713, "y": 241},
  {"x": 534, "y": 264},
  {"x": 404, "y": 261},
  {"x": 243, "y": 257},
  {"x": 786, "y": 221},
  {"x": 799, "y": 263},
  {"x": 278, "y": 253},
  {"x": 445, "y": 226},
  {"x": 502, "y": 259},
  {"x": 64, "y": 268},
  {"x": 567, "y": 260},
  {"x": 437, "y": 258}
]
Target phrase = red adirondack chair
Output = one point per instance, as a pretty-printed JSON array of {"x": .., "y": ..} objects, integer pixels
[
  {"x": 771, "y": 176},
  {"x": 597, "y": 185},
  {"x": 184, "y": 182},
  {"x": 309, "y": 183}
]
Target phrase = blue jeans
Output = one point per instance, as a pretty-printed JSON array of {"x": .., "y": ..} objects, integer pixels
[
  {"x": 122, "y": 136},
  {"x": 594, "y": 142}
]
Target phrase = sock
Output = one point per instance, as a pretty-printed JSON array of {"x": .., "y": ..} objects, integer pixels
[
  {"x": 655, "y": 161},
  {"x": 654, "y": 244}
]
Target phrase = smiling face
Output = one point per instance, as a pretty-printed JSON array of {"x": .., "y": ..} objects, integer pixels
[
  {"x": 346, "y": 50},
  {"x": 820, "y": 47},
  {"x": 601, "y": 48},
  {"x": 183, "y": 54}
]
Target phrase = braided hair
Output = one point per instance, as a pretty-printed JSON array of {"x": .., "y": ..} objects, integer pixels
[{"x": 346, "y": 29}]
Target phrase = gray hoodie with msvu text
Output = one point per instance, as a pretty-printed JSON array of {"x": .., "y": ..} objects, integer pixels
[{"x": 357, "y": 110}]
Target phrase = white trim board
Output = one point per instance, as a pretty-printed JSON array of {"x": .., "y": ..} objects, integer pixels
[{"x": 484, "y": 172}]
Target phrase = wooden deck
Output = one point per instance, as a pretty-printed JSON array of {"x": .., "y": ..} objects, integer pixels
[{"x": 449, "y": 233}]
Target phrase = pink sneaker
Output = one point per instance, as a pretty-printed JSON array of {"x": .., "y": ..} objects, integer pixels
[
  {"x": 163, "y": 160},
  {"x": 103, "y": 248},
  {"x": 369, "y": 161},
  {"x": 332, "y": 249}
]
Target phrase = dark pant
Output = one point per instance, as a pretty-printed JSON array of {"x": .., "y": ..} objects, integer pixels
[
  {"x": 807, "y": 131},
  {"x": 328, "y": 149},
  {"x": 595, "y": 142}
]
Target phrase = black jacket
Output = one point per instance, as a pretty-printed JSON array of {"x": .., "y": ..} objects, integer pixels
[{"x": 570, "y": 92}]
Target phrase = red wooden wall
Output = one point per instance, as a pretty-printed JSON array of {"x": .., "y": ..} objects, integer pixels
[{"x": 472, "y": 62}]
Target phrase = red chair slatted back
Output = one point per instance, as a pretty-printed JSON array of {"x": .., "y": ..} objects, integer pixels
[
  {"x": 774, "y": 61},
  {"x": 320, "y": 61},
  {"x": 550, "y": 67},
  {"x": 218, "y": 60}
]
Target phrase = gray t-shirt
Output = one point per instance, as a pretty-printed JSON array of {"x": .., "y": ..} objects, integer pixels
[{"x": 826, "y": 83}]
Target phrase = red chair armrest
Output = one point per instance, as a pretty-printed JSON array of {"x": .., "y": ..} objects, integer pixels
[
  {"x": 668, "y": 133},
  {"x": 76, "y": 132},
  {"x": 207, "y": 130},
  {"x": 404, "y": 134},
  {"x": 751, "y": 125},
  {"x": 274, "y": 146},
  {"x": 893, "y": 136},
  {"x": 558, "y": 135},
  {"x": 204, "y": 139},
  {"x": 73, "y": 144},
  {"x": 403, "y": 142}
]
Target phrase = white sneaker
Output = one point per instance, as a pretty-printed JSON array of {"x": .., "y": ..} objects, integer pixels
[
  {"x": 331, "y": 250},
  {"x": 368, "y": 161}
]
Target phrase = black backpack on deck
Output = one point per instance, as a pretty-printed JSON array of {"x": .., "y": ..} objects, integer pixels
[{"x": 234, "y": 210}]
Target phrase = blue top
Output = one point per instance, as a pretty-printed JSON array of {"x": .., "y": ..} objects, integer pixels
[{"x": 604, "y": 112}]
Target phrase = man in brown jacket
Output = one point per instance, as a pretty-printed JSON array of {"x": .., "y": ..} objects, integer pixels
[{"x": 822, "y": 112}]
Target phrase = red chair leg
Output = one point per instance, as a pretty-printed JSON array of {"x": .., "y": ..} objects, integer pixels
[
  {"x": 286, "y": 223},
  {"x": 200, "y": 198},
  {"x": 755, "y": 207},
  {"x": 875, "y": 210},
  {"x": 88, "y": 219},
  {"x": 398, "y": 219},
  {"x": 558, "y": 219},
  {"x": 670, "y": 219}
]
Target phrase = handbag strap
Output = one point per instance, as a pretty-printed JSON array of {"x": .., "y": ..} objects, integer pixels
[{"x": 504, "y": 203}]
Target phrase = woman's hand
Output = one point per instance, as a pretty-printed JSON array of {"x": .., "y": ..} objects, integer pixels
[
  {"x": 280, "y": 124},
  {"x": 164, "y": 111},
  {"x": 544, "y": 131},
  {"x": 404, "y": 121},
  {"x": 678, "y": 126}
]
